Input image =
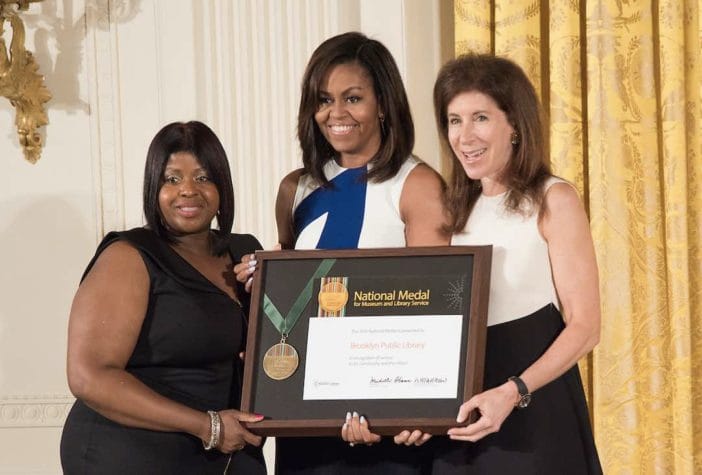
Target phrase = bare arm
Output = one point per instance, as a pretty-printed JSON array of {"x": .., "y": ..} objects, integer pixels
[
  {"x": 283, "y": 209},
  {"x": 106, "y": 318},
  {"x": 566, "y": 229},
  {"x": 567, "y": 232},
  {"x": 422, "y": 209}
]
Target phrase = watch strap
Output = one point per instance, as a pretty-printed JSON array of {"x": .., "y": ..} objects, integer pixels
[
  {"x": 524, "y": 394},
  {"x": 521, "y": 386}
]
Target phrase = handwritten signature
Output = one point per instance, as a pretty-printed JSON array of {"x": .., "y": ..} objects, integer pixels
[{"x": 417, "y": 381}]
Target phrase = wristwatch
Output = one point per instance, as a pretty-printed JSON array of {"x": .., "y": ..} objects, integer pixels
[{"x": 524, "y": 394}]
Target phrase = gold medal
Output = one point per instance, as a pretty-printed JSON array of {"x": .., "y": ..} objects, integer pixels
[
  {"x": 280, "y": 361},
  {"x": 333, "y": 296}
]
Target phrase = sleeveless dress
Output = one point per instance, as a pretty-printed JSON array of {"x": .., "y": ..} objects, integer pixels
[
  {"x": 351, "y": 214},
  {"x": 187, "y": 351},
  {"x": 552, "y": 436}
]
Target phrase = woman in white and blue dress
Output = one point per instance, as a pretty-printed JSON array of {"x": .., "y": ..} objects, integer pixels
[
  {"x": 544, "y": 306},
  {"x": 360, "y": 187}
]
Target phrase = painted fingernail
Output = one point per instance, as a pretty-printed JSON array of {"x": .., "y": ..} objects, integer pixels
[
  {"x": 355, "y": 414},
  {"x": 363, "y": 419},
  {"x": 259, "y": 416},
  {"x": 252, "y": 263},
  {"x": 348, "y": 416},
  {"x": 249, "y": 280}
]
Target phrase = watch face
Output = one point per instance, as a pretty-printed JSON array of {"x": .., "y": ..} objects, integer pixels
[{"x": 524, "y": 401}]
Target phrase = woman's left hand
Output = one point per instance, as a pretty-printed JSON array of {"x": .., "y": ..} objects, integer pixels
[
  {"x": 356, "y": 431},
  {"x": 493, "y": 405},
  {"x": 234, "y": 435}
]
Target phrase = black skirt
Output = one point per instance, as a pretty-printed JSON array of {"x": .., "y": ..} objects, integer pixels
[{"x": 552, "y": 436}]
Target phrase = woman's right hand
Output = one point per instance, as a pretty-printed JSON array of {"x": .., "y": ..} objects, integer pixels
[
  {"x": 414, "y": 437},
  {"x": 244, "y": 270},
  {"x": 493, "y": 406},
  {"x": 356, "y": 430},
  {"x": 234, "y": 436}
]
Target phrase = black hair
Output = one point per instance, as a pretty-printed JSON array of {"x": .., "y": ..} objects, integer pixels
[{"x": 196, "y": 138}]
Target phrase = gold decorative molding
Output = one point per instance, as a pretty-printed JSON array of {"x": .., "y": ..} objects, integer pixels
[{"x": 20, "y": 82}]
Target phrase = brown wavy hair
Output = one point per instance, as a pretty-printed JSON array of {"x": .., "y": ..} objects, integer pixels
[
  {"x": 507, "y": 84},
  {"x": 397, "y": 132}
]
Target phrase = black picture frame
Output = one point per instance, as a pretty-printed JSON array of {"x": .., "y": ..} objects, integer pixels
[{"x": 458, "y": 276}]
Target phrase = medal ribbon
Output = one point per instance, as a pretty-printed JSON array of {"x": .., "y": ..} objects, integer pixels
[{"x": 284, "y": 325}]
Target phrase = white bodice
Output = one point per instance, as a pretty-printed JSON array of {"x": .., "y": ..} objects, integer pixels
[{"x": 521, "y": 281}]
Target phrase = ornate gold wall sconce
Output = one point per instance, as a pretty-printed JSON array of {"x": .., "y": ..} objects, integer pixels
[{"x": 20, "y": 82}]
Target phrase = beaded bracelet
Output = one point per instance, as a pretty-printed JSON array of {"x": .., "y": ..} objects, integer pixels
[{"x": 215, "y": 427}]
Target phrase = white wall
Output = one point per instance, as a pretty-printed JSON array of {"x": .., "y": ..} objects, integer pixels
[{"x": 118, "y": 71}]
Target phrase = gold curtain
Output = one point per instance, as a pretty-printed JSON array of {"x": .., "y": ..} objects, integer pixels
[{"x": 620, "y": 81}]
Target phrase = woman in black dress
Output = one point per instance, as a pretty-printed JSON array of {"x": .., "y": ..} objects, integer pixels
[{"x": 157, "y": 325}]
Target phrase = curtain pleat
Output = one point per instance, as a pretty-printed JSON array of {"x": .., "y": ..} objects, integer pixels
[{"x": 621, "y": 87}]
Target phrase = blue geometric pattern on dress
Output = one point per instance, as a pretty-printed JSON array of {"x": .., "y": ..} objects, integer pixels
[{"x": 345, "y": 202}]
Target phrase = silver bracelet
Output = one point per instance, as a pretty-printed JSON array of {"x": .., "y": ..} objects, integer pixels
[{"x": 215, "y": 428}]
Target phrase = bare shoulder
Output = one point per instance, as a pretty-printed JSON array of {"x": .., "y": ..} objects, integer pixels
[
  {"x": 422, "y": 208},
  {"x": 287, "y": 189},
  {"x": 283, "y": 208},
  {"x": 422, "y": 183},
  {"x": 121, "y": 251},
  {"x": 113, "y": 296},
  {"x": 288, "y": 184},
  {"x": 562, "y": 197},
  {"x": 424, "y": 175},
  {"x": 119, "y": 259},
  {"x": 564, "y": 212}
]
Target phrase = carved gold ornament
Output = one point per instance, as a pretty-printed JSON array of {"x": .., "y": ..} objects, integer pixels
[{"x": 20, "y": 82}]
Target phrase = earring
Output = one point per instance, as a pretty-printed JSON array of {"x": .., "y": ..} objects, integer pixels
[
  {"x": 515, "y": 138},
  {"x": 381, "y": 116}
]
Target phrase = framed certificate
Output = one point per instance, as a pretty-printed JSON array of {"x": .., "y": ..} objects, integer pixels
[{"x": 397, "y": 335}]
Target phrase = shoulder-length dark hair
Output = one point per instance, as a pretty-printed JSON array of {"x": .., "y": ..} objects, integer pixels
[
  {"x": 397, "y": 131},
  {"x": 196, "y": 138},
  {"x": 507, "y": 84}
]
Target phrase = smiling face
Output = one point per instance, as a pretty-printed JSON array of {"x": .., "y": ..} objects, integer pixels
[
  {"x": 348, "y": 114},
  {"x": 188, "y": 200},
  {"x": 480, "y": 136}
]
